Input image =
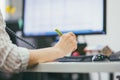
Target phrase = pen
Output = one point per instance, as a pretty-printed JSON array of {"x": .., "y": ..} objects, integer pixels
[{"x": 58, "y": 32}]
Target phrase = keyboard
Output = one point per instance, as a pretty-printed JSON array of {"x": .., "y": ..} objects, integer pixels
[
  {"x": 99, "y": 57},
  {"x": 75, "y": 59}
]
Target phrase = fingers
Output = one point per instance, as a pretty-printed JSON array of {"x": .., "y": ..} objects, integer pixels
[
  {"x": 73, "y": 43},
  {"x": 71, "y": 38},
  {"x": 67, "y": 42},
  {"x": 70, "y": 34}
]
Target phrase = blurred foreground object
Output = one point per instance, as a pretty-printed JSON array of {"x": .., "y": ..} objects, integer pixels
[
  {"x": 10, "y": 10},
  {"x": 106, "y": 51},
  {"x": 98, "y": 50}
]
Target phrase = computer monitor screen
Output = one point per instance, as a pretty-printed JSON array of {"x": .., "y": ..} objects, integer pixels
[{"x": 42, "y": 17}]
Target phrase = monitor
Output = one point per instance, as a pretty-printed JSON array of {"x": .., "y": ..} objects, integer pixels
[{"x": 82, "y": 17}]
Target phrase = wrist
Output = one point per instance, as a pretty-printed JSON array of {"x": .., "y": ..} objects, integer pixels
[{"x": 59, "y": 51}]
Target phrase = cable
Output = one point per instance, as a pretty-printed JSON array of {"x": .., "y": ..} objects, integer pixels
[{"x": 13, "y": 33}]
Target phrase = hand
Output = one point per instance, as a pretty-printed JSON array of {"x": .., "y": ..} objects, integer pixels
[{"x": 67, "y": 43}]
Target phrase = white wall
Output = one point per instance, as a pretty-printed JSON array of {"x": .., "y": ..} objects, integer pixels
[{"x": 112, "y": 38}]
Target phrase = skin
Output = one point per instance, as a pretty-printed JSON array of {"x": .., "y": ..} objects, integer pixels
[{"x": 65, "y": 45}]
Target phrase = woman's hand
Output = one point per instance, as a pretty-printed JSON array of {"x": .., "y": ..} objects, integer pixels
[{"x": 67, "y": 43}]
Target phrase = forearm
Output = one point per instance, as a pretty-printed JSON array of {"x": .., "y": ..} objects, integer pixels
[{"x": 44, "y": 55}]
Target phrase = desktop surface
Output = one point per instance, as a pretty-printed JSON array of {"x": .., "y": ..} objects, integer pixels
[
  {"x": 84, "y": 64},
  {"x": 76, "y": 67}
]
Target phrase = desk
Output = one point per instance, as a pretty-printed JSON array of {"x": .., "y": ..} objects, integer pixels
[{"x": 76, "y": 67}]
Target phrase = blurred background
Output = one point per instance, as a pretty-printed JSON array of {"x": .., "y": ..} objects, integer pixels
[{"x": 12, "y": 11}]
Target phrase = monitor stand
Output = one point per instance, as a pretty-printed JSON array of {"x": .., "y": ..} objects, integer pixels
[
  {"x": 82, "y": 43},
  {"x": 80, "y": 49}
]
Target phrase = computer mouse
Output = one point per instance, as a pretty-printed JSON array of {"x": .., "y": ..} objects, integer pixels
[{"x": 99, "y": 57}]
